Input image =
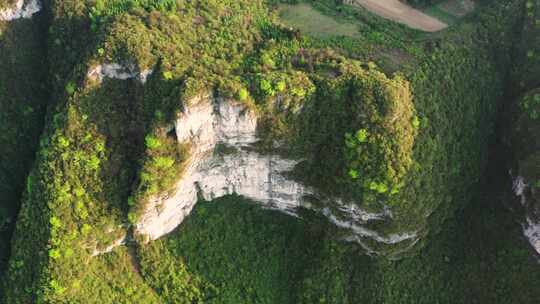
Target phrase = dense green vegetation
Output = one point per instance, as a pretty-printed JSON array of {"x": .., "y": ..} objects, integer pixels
[
  {"x": 524, "y": 137},
  {"x": 23, "y": 97},
  {"x": 112, "y": 278},
  {"x": 528, "y": 51},
  {"x": 243, "y": 254},
  {"x": 77, "y": 195},
  {"x": 523, "y": 116},
  {"x": 423, "y": 2},
  {"x": 415, "y": 141}
]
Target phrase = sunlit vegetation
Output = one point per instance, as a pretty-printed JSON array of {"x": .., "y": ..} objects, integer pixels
[
  {"x": 110, "y": 279},
  {"x": 236, "y": 252},
  {"x": 311, "y": 21},
  {"x": 381, "y": 115},
  {"x": 524, "y": 135},
  {"x": 23, "y": 97},
  {"x": 7, "y": 4}
]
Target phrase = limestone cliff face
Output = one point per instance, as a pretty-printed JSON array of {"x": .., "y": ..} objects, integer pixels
[
  {"x": 221, "y": 133},
  {"x": 525, "y": 142},
  {"x": 118, "y": 71},
  {"x": 21, "y": 9},
  {"x": 528, "y": 198}
]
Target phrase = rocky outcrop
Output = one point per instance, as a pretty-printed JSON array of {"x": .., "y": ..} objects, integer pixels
[
  {"x": 531, "y": 224},
  {"x": 223, "y": 161},
  {"x": 525, "y": 173},
  {"x": 118, "y": 71},
  {"x": 21, "y": 9}
]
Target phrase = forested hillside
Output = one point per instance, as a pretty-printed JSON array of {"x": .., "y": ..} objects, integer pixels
[
  {"x": 23, "y": 98},
  {"x": 400, "y": 143}
]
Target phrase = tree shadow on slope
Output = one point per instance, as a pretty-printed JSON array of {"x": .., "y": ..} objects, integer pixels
[
  {"x": 23, "y": 98},
  {"x": 232, "y": 251},
  {"x": 236, "y": 252}
]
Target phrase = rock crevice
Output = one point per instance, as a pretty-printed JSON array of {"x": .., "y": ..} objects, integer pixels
[{"x": 239, "y": 169}]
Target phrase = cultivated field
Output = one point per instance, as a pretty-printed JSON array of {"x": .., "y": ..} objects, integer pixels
[
  {"x": 309, "y": 20},
  {"x": 400, "y": 12}
]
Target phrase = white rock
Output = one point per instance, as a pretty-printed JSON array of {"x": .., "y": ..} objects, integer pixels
[
  {"x": 531, "y": 230},
  {"x": 118, "y": 71},
  {"x": 261, "y": 178},
  {"x": 143, "y": 76},
  {"x": 21, "y": 10},
  {"x": 519, "y": 186},
  {"x": 364, "y": 232}
]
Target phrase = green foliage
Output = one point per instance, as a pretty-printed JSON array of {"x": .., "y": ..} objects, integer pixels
[
  {"x": 95, "y": 136},
  {"x": 266, "y": 88},
  {"x": 168, "y": 275},
  {"x": 527, "y": 66},
  {"x": 423, "y": 2},
  {"x": 260, "y": 253},
  {"x": 110, "y": 279},
  {"x": 309, "y": 20},
  {"x": 106, "y": 150},
  {"x": 152, "y": 142},
  {"x": 104, "y": 9},
  {"x": 381, "y": 152},
  {"x": 23, "y": 99},
  {"x": 237, "y": 252},
  {"x": 70, "y": 88},
  {"x": 80, "y": 189},
  {"x": 530, "y": 104},
  {"x": 525, "y": 140},
  {"x": 354, "y": 31},
  {"x": 243, "y": 94},
  {"x": 161, "y": 167},
  {"x": 168, "y": 75}
]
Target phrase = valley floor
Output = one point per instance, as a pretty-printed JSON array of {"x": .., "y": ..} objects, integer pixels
[{"x": 400, "y": 12}]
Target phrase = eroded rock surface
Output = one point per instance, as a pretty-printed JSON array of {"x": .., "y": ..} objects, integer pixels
[
  {"x": 531, "y": 224},
  {"x": 222, "y": 133},
  {"x": 118, "y": 71},
  {"x": 21, "y": 9}
]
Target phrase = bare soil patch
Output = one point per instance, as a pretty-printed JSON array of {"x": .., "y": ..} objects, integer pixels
[{"x": 400, "y": 12}]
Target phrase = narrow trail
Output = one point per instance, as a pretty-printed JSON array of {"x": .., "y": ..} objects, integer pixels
[{"x": 402, "y": 13}]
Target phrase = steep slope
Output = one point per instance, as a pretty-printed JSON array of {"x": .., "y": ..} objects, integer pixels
[
  {"x": 23, "y": 98},
  {"x": 130, "y": 145},
  {"x": 521, "y": 131},
  {"x": 241, "y": 253}
]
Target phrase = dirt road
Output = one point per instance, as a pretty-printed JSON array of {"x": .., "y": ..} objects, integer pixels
[{"x": 400, "y": 12}]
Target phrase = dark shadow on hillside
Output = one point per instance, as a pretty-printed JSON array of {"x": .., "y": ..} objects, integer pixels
[{"x": 23, "y": 99}]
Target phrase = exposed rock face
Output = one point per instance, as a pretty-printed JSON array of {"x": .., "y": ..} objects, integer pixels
[
  {"x": 22, "y": 9},
  {"x": 221, "y": 133},
  {"x": 531, "y": 224},
  {"x": 525, "y": 172},
  {"x": 118, "y": 71}
]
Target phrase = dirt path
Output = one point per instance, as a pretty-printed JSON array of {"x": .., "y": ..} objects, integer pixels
[{"x": 400, "y": 12}]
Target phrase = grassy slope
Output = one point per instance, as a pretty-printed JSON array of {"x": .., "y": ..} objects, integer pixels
[{"x": 310, "y": 21}]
